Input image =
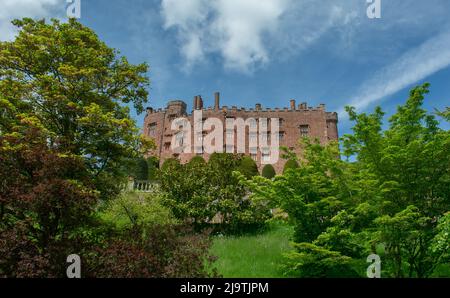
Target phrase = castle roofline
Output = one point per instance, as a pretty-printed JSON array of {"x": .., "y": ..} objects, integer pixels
[{"x": 198, "y": 104}]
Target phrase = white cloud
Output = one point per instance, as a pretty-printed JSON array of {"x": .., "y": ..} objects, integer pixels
[
  {"x": 232, "y": 28},
  {"x": 247, "y": 34},
  {"x": 12, "y": 9},
  {"x": 413, "y": 66}
]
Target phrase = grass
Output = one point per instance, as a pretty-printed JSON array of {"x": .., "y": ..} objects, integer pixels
[{"x": 253, "y": 256}]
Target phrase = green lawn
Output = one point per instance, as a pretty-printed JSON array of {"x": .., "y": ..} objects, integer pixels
[{"x": 254, "y": 255}]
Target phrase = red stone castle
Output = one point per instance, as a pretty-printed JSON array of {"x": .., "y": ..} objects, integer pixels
[{"x": 295, "y": 122}]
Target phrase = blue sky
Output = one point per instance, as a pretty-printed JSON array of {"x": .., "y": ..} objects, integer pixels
[{"x": 270, "y": 51}]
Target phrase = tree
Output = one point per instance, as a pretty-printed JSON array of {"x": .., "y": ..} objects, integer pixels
[
  {"x": 78, "y": 88},
  {"x": 290, "y": 164},
  {"x": 310, "y": 260},
  {"x": 392, "y": 200},
  {"x": 197, "y": 160},
  {"x": 170, "y": 163},
  {"x": 140, "y": 169},
  {"x": 153, "y": 168},
  {"x": 44, "y": 199},
  {"x": 268, "y": 171},
  {"x": 199, "y": 191},
  {"x": 248, "y": 167}
]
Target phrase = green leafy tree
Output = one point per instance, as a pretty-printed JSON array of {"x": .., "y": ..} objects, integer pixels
[
  {"x": 392, "y": 200},
  {"x": 198, "y": 160},
  {"x": 248, "y": 167},
  {"x": 153, "y": 168},
  {"x": 170, "y": 163},
  {"x": 268, "y": 171},
  {"x": 63, "y": 76},
  {"x": 290, "y": 164},
  {"x": 200, "y": 192},
  {"x": 140, "y": 169},
  {"x": 309, "y": 260}
]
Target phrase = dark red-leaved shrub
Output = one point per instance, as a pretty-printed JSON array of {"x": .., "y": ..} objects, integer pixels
[
  {"x": 44, "y": 197},
  {"x": 46, "y": 213},
  {"x": 157, "y": 251}
]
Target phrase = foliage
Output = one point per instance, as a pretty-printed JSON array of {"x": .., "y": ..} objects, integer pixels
[
  {"x": 268, "y": 171},
  {"x": 199, "y": 192},
  {"x": 154, "y": 251},
  {"x": 310, "y": 260},
  {"x": 290, "y": 164},
  {"x": 391, "y": 201},
  {"x": 66, "y": 80},
  {"x": 65, "y": 139},
  {"x": 248, "y": 167},
  {"x": 44, "y": 199},
  {"x": 170, "y": 164},
  {"x": 197, "y": 160},
  {"x": 139, "y": 169},
  {"x": 153, "y": 168},
  {"x": 136, "y": 209}
]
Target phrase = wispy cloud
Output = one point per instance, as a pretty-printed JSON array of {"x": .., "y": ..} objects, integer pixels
[
  {"x": 11, "y": 9},
  {"x": 232, "y": 28},
  {"x": 414, "y": 65},
  {"x": 248, "y": 34}
]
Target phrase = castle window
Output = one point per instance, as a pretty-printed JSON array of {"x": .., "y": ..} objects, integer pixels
[
  {"x": 180, "y": 139},
  {"x": 265, "y": 155},
  {"x": 264, "y": 137},
  {"x": 253, "y": 140},
  {"x": 229, "y": 148},
  {"x": 254, "y": 156},
  {"x": 281, "y": 136},
  {"x": 230, "y": 134},
  {"x": 199, "y": 150},
  {"x": 304, "y": 130},
  {"x": 281, "y": 121},
  {"x": 264, "y": 123},
  {"x": 152, "y": 129},
  {"x": 167, "y": 146}
]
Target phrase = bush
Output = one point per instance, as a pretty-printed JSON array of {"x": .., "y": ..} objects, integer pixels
[
  {"x": 290, "y": 164},
  {"x": 153, "y": 168},
  {"x": 44, "y": 201},
  {"x": 159, "y": 251},
  {"x": 131, "y": 209},
  {"x": 248, "y": 167},
  {"x": 200, "y": 193},
  {"x": 268, "y": 172},
  {"x": 170, "y": 163},
  {"x": 197, "y": 161},
  {"x": 140, "y": 169},
  {"x": 314, "y": 261}
]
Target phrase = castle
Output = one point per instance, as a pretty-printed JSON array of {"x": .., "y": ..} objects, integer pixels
[{"x": 295, "y": 122}]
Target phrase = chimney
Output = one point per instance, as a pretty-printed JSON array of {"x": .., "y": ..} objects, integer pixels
[
  {"x": 217, "y": 101},
  {"x": 200, "y": 103},
  {"x": 194, "y": 107},
  {"x": 304, "y": 106},
  {"x": 258, "y": 107},
  {"x": 292, "y": 104}
]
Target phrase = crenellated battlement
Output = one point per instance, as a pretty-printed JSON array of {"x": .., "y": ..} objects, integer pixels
[
  {"x": 295, "y": 122},
  {"x": 179, "y": 106}
]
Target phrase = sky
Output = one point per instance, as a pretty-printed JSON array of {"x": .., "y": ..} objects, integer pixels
[{"x": 271, "y": 51}]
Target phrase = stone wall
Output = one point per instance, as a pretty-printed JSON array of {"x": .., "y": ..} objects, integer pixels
[{"x": 295, "y": 121}]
